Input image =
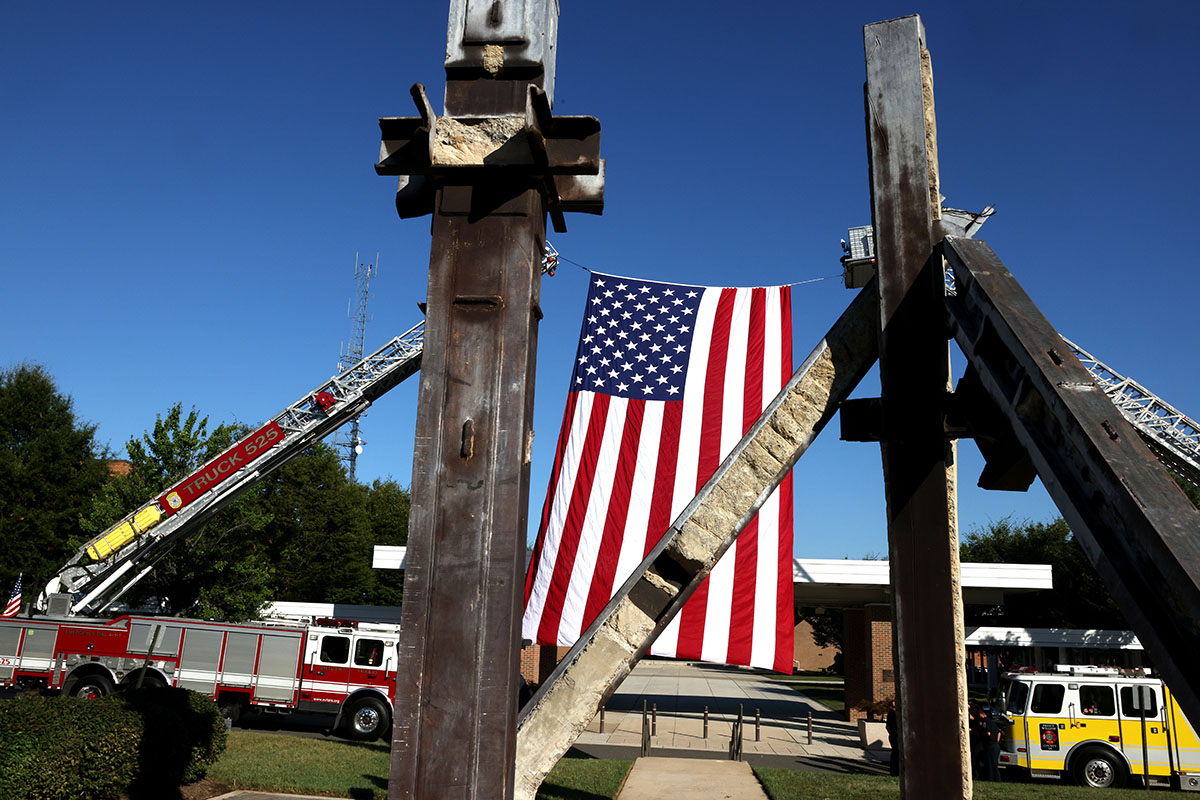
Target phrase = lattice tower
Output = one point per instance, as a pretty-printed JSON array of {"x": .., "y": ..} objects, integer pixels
[{"x": 350, "y": 441}]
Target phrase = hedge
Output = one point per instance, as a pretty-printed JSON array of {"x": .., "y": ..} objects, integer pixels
[{"x": 144, "y": 744}]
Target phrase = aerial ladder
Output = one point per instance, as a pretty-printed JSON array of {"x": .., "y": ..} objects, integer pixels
[{"x": 1171, "y": 434}]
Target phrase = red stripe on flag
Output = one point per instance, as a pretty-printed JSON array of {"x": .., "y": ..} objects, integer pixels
[
  {"x": 576, "y": 512},
  {"x": 694, "y": 611},
  {"x": 618, "y": 510},
  {"x": 563, "y": 435},
  {"x": 745, "y": 569},
  {"x": 785, "y": 623},
  {"x": 664, "y": 475}
]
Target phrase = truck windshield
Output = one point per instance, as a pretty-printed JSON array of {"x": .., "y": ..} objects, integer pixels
[{"x": 1016, "y": 694}]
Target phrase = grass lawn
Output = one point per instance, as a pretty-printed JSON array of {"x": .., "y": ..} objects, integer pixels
[
  {"x": 359, "y": 771},
  {"x": 289, "y": 764},
  {"x": 782, "y": 784}
]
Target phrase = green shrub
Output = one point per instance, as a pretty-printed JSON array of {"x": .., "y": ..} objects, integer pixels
[
  {"x": 184, "y": 735},
  {"x": 145, "y": 743},
  {"x": 66, "y": 748}
]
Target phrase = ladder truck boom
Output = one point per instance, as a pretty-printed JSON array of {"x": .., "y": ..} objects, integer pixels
[
  {"x": 1171, "y": 434},
  {"x": 105, "y": 567}
]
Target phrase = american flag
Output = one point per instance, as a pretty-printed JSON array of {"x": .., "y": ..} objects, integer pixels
[
  {"x": 666, "y": 381},
  {"x": 14, "y": 601}
]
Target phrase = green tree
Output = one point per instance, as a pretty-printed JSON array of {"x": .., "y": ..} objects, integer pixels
[
  {"x": 221, "y": 571},
  {"x": 388, "y": 505},
  {"x": 50, "y": 467},
  {"x": 1079, "y": 598},
  {"x": 320, "y": 537}
]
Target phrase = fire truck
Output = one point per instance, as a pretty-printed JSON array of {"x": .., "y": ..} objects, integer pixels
[
  {"x": 1101, "y": 726},
  {"x": 340, "y": 668}
]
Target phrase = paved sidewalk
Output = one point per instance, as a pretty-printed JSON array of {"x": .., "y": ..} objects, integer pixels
[
  {"x": 681, "y": 690},
  {"x": 656, "y": 778}
]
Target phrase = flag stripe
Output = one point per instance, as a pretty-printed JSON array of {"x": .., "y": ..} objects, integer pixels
[
  {"x": 559, "y": 451},
  {"x": 574, "y": 508},
  {"x": 591, "y": 524},
  {"x": 741, "y": 630},
  {"x": 613, "y": 537},
  {"x": 785, "y": 623},
  {"x": 695, "y": 611}
]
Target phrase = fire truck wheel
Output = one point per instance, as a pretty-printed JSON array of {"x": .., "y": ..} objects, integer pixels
[
  {"x": 1099, "y": 769},
  {"x": 91, "y": 687},
  {"x": 367, "y": 718}
]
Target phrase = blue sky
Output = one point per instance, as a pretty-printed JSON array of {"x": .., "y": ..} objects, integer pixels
[{"x": 183, "y": 189}]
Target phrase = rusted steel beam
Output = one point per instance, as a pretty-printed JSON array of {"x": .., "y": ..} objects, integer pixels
[
  {"x": 1136, "y": 525},
  {"x": 489, "y": 171},
  {"x": 918, "y": 459},
  {"x": 460, "y": 633},
  {"x": 702, "y": 532}
]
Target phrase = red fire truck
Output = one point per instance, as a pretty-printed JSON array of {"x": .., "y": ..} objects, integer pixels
[{"x": 335, "y": 667}]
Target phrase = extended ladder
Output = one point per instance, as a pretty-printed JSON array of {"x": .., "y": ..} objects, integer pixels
[
  {"x": 108, "y": 565},
  {"x": 1173, "y": 437}
]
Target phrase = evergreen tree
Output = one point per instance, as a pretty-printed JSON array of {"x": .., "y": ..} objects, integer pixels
[{"x": 50, "y": 468}]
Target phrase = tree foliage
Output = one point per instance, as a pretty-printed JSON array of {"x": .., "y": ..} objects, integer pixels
[
  {"x": 1079, "y": 598},
  {"x": 50, "y": 467}
]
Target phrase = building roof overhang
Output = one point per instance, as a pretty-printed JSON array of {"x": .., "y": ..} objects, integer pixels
[{"x": 846, "y": 583}]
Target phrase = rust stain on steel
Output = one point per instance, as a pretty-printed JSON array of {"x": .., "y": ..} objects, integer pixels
[{"x": 704, "y": 530}]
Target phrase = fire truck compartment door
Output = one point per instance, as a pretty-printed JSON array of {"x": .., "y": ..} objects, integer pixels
[
  {"x": 1140, "y": 701},
  {"x": 10, "y": 639},
  {"x": 1048, "y": 721},
  {"x": 278, "y": 661},
  {"x": 237, "y": 668},
  {"x": 37, "y": 651},
  {"x": 141, "y": 636},
  {"x": 200, "y": 660}
]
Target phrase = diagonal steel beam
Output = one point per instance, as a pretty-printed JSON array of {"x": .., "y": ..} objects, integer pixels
[
  {"x": 1136, "y": 525},
  {"x": 699, "y": 536}
]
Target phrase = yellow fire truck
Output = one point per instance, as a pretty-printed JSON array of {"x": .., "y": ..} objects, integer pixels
[{"x": 1099, "y": 725}]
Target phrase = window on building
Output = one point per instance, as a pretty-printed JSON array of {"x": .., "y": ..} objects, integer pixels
[
  {"x": 1133, "y": 706},
  {"x": 335, "y": 649},
  {"x": 368, "y": 653},
  {"x": 1096, "y": 701},
  {"x": 1047, "y": 698}
]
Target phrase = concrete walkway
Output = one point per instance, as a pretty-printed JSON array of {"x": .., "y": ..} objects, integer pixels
[
  {"x": 681, "y": 690},
  {"x": 691, "y": 779}
]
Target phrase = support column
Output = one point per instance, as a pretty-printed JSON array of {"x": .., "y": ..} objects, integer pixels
[
  {"x": 488, "y": 171},
  {"x": 918, "y": 458}
]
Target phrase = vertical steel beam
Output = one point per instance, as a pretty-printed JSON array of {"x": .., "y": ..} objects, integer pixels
[
  {"x": 456, "y": 702},
  {"x": 918, "y": 459},
  {"x": 455, "y": 729}
]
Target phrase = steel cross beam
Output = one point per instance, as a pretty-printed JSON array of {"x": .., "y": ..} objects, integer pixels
[
  {"x": 647, "y": 602},
  {"x": 1136, "y": 525},
  {"x": 489, "y": 171},
  {"x": 918, "y": 458}
]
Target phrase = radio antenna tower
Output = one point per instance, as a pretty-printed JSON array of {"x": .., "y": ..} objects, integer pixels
[{"x": 352, "y": 352}]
